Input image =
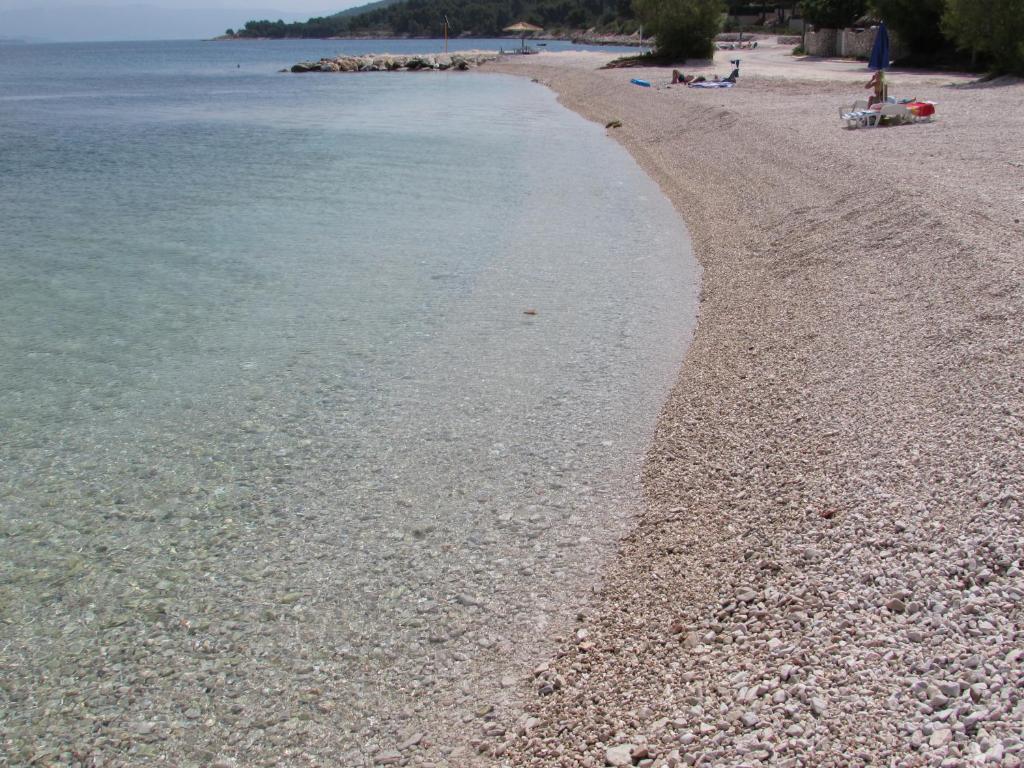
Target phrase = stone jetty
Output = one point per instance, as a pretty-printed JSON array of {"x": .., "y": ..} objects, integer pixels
[{"x": 373, "y": 62}]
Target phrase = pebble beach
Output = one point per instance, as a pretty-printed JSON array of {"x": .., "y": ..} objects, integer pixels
[{"x": 827, "y": 571}]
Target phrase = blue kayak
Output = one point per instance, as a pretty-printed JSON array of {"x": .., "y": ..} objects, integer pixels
[{"x": 644, "y": 83}]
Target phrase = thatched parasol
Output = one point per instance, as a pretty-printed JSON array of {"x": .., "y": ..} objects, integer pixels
[{"x": 524, "y": 28}]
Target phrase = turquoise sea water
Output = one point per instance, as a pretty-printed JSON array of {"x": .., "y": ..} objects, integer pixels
[{"x": 321, "y": 382}]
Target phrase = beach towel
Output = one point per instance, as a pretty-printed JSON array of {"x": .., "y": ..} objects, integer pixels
[{"x": 713, "y": 84}]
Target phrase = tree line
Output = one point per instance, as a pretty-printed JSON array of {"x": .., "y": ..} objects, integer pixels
[
  {"x": 479, "y": 18},
  {"x": 984, "y": 33}
]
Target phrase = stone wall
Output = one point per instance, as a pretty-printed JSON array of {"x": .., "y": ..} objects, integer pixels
[
  {"x": 848, "y": 43},
  {"x": 821, "y": 42},
  {"x": 854, "y": 43}
]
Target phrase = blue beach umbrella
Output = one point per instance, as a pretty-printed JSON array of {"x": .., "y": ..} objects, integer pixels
[{"x": 880, "y": 50}]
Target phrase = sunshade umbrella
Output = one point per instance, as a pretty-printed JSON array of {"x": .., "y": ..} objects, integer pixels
[
  {"x": 524, "y": 28},
  {"x": 880, "y": 50}
]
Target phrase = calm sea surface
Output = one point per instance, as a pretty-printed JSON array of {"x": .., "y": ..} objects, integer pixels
[{"x": 321, "y": 396}]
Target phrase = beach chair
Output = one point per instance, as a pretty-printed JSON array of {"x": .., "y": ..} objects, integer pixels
[
  {"x": 897, "y": 113},
  {"x": 859, "y": 116},
  {"x": 853, "y": 118}
]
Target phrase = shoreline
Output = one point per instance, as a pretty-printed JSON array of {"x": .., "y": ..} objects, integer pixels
[{"x": 829, "y": 499}]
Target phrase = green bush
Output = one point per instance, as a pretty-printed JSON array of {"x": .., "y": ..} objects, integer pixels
[
  {"x": 916, "y": 22},
  {"x": 833, "y": 14},
  {"x": 685, "y": 29},
  {"x": 993, "y": 29}
]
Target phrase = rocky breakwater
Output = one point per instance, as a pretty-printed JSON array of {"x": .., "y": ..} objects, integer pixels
[{"x": 462, "y": 60}]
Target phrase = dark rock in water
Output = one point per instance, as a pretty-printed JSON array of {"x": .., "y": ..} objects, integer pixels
[{"x": 391, "y": 63}]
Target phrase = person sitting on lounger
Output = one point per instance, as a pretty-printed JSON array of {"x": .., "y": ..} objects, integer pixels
[{"x": 877, "y": 82}]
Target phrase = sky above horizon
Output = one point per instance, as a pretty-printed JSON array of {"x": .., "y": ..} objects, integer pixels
[{"x": 102, "y": 20}]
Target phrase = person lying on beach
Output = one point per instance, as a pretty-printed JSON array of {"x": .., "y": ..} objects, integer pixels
[{"x": 679, "y": 77}]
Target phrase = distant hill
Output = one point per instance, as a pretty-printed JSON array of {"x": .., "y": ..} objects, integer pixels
[
  {"x": 364, "y": 8},
  {"x": 476, "y": 18},
  {"x": 100, "y": 22}
]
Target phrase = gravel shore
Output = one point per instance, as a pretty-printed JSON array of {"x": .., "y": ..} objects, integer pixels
[{"x": 829, "y": 567}]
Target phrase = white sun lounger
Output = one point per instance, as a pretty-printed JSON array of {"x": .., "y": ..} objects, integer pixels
[
  {"x": 860, "y": 118},
  {"x": 898, "y": 113}
]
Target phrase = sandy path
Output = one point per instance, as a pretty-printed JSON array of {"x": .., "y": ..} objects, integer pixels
[{"x": 829, "y": 568}]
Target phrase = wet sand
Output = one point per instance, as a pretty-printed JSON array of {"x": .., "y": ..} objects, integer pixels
[{"x": 828, "y": 568}]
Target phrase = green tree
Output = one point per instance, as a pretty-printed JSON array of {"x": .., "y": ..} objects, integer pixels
[
  {"x": 480, "y": 17},
  {"x": 916, "y": 22},
  {"x": 229, "y": 32},
  {"x": 833, "y": 14},
  {"x": 685, "y": 29},
  {"x": 991, "y": 28}
]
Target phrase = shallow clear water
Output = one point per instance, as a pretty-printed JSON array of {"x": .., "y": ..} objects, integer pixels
[{"x": 274, "y": 416}]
